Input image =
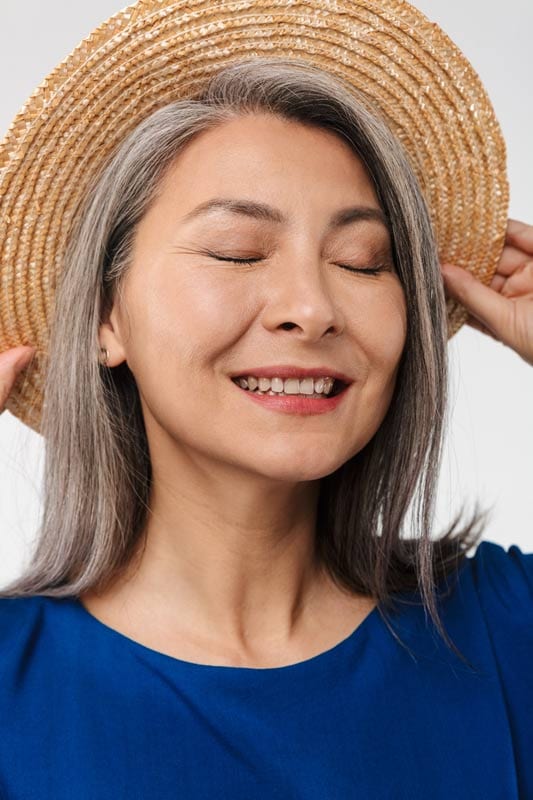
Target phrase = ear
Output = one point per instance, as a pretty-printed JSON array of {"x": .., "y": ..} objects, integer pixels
[{"x": 110, "y": 335}]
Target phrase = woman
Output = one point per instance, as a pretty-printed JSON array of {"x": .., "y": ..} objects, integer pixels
[{"x": 209, "y": 585}]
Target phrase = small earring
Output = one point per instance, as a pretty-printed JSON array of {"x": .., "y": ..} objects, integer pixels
[{"x": 104, "y": 355}]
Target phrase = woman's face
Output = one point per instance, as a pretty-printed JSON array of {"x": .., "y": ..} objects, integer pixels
[{"x": 190, "y": 321}]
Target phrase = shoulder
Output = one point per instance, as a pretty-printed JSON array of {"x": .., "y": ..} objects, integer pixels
[
  {"x": 503, "y": 581},
  {"x": 503, "y": 578},
  {"x": 21, "y": 619},
  {"x": 17, "y": 612}
]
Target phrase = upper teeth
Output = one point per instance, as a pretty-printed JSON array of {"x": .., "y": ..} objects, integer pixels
[{"x": 288, "y": 385}]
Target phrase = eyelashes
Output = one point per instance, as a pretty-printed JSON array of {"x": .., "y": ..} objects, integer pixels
[
  {"x": 246, "y": 261},
  {"x": 370, "y": 270},
  {"x": 250, "y": 261}
]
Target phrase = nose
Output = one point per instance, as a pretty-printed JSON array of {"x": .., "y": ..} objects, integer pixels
[{"x": 300, "y": 297}]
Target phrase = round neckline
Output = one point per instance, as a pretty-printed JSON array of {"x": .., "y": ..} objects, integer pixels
[{"x": 316, "y": 661}]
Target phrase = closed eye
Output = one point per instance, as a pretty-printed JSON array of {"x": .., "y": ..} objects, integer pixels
[
  {"x": 250, "y": 261},
  {"x": 370, "y": 270}
]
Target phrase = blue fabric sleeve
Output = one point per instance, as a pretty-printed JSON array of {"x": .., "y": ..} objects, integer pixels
[
  {"x": 508, "y": 575},
  {"x": 504, "y": 582}
]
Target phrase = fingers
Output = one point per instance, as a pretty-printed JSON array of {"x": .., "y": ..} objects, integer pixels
[
  {"x": 520, "y": 234},
  {"x": 485, "y": 305},
  {"x": 520, "y": 283},
  {"x": 12, "y": 362},
  {"x": 511, "y": 259}
]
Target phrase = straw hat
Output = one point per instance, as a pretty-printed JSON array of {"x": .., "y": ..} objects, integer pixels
[{"x": 155, "y": 51}]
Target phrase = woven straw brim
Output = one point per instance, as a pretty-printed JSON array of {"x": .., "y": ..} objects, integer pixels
[{"x": 156, "y": 51}]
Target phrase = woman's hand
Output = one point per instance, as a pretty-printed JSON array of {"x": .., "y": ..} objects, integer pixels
[
  {"x": 11, "y": 363},
  {"x": 503, "y": 310}
]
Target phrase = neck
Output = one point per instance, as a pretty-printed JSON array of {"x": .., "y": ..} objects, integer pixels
[{"x": 229, "y": 563}]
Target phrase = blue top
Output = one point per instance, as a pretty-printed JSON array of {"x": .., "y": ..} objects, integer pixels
[{"x": 87, "y": 713}]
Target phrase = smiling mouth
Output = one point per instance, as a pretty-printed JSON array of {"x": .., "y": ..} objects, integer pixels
[{"x": 337, "y": 388}]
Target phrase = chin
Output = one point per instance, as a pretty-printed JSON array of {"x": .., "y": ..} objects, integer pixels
[{"x": 299, "y": 471}]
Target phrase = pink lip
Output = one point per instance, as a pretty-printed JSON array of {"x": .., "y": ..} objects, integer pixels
[{"x": 296, "y": 404}]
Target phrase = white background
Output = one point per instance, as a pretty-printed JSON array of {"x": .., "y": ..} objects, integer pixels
[{"x": 489, "y": 446}]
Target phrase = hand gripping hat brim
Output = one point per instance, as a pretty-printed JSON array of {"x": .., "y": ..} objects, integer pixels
[{"x": 156, "y": 51}]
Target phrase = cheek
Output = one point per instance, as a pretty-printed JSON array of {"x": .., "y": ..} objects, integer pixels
[
  {"x": 394, "y": 331},
  {"x": 183, "y": 319},
  {"x": 381, "y": 337},
  {"x": 381, "y": 328}
]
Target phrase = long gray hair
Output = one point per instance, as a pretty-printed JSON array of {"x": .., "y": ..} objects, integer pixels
[{"x": 97, "y": 472}]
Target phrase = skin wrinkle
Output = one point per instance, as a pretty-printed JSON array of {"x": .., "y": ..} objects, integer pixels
[
  {"x": 375, "y": 252},
  {"x": 228, "y": 575}
]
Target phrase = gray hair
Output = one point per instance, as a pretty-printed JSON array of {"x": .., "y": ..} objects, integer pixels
[{"x": 97, "y": 472}]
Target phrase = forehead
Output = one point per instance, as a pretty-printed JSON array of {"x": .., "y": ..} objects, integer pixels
[
  {"x": 272, "y": 173},
  {"x": 274, "y": 155}
]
